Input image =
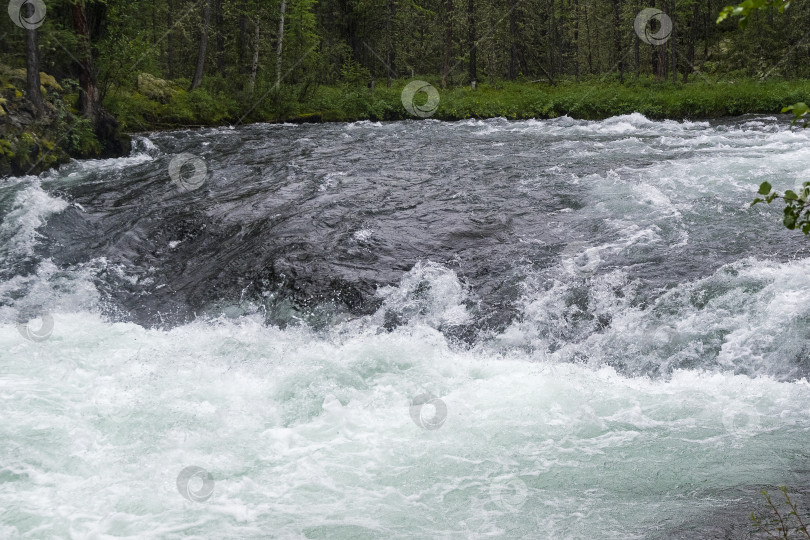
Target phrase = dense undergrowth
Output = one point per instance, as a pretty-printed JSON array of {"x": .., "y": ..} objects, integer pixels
[
  {"x": 31, "y": 145},
  {"x": 171, "y": 106}
]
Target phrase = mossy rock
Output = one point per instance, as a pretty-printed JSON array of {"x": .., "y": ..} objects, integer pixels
[
  {"x": 29, "y": 154},
  {"x": 16, "y": 74},
  {"x": 48, "y": 81},
  {"x": 19, "y": 75},
  {"x": 158, "y": 89}
]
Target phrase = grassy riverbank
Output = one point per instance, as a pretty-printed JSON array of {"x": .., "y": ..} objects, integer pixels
[
  {"x": 29, "y": 145},
  {"x": 171, "y": 106}
]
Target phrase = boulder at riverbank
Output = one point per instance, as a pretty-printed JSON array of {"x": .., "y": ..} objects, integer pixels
[{"x": 30, "y": 145}]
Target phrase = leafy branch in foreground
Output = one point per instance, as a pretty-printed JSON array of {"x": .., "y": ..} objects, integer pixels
[
  {"x": 780, "y": 525},
  {"x": 797, "y": 208},
  {"x": 744, "y": 10},
  {"x": 800, "y": 111},
  {"x": 797, "y": 212}
]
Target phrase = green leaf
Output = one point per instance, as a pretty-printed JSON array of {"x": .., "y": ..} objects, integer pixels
[
  {"x": 790, "y": 218},
  {"x": 746, "y": 8},
  {"x": 790, "y": 195},
  {"x": 800, "y": 110},
  {"x": 724, "y": 13},
  {"x": 757, "y": 200},
  {"x": 764, "y": 188}
]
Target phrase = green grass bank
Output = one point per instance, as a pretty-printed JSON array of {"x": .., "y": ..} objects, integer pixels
[
  {"x": 28, "y": 145},
  {"x": 165, "y": 105}
]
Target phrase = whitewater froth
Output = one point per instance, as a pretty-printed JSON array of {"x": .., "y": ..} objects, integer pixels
[{"x": 651, "y": 380}]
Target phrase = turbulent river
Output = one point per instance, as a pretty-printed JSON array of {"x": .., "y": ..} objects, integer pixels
[{"x": 535, "y": 329}]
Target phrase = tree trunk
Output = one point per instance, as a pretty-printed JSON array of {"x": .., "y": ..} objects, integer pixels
[
  {"x": 448, "y": 40},
  {"x": 636, "y": 48},
  {"x": 390, "y": 51},
  {"x": 660, "y": 53},
  {"x": 169, "y": 41},
  {"x": 243, "y": 39},
  {"x": 32, "y": 83},
  {"x": 154, "y": 23},
  {"x": 552, "y": 40},
  {"x": 491, "y": 54},
  {"x": 220, "y": 40},
  {"x": 673, "y": 44},
  {"x": 255, "y": 67},
  {"x": 89, "y": 104},
  {"x": 576, "y": 40},
  {"x": 588, "y": 39},
  {"x": 280, "y": 48},
  {"x": 473, "y": 67},
  {"x": 513, "y": 39},
  {"x": 692, "y": 39},
  {"x": 654, "y": 56},
  {"x": 617, "y": 37},
  {"x": 706, "y": 22},
  {"x": 105, "y": 126},
  {"x": 198, "y": 72}
]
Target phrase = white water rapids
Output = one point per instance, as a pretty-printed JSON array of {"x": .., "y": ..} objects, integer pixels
[{"x": 654, "y": 419}]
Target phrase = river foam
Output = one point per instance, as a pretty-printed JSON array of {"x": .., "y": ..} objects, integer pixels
[
  {"x": 618, "y": 394},
  {"x": 310, "y": 436}
]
